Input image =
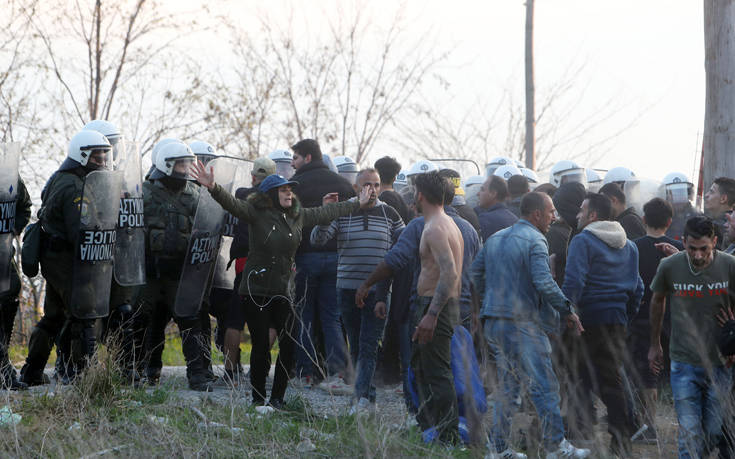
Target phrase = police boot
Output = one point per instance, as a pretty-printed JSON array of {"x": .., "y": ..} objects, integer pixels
[
  {"x": 39, "y": 348},
  {"x": 65, "y": 371},
  {"x": 8, "y": 377},
  {"x": 152, "y": 376},
  {"x": 196, "y": 372}
]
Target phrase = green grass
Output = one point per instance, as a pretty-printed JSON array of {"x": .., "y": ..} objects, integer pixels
[
  {"x": 172, "y": 354},
  {"x": 90, "y": 417}
]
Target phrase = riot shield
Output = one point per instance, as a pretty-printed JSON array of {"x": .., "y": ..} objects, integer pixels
[
  {"x": 9, "y": 154},
  {"x": 129, "y": 262},
  {"x": 95, "y": 245},
  {"x": 224, "y": 277},
  {"x": 204, "y": 243}
]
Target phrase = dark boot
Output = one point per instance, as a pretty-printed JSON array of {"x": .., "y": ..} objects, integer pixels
[
  {"x": 39, "y": 349},
  {"x": 196, "y": 372}
]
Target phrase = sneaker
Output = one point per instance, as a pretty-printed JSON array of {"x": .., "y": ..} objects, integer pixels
[
  {"x": 566, "y": 449},
  {"x": 509, "y": 453},
  {"x": 645, "y": 436},
  {"x": 304, "y": 382},
  {"x": 335, "y": 385},
  {"x": 363, "y": 406}
]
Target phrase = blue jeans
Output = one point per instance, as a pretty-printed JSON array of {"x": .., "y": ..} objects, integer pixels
[
  {"x": 364, "y": 330},
  {"x": 699, "y": 395},
  {"x": 316, "y": 294},
  {"x": 523, "y": 358}
]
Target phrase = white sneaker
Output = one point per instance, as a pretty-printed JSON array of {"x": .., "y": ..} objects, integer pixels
[
  {"x": 335, "y": 385},
  {"x": 304, "y": 382},
  {"x": 363, "y": 406},
  {"x": 507, "y": 454},
  {"x": 566, "y": 449}
]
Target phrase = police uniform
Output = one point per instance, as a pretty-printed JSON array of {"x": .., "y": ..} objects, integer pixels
[
  {"x": 62, "y": 206},
  {"x": 169, "y": 216},
  {"x": 9, "y": 299}
]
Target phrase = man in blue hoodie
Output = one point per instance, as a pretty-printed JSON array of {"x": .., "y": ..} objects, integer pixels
[{"x": 602, "y": 279}]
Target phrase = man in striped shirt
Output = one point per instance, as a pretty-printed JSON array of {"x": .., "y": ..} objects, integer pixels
[{"x": 363, "y": 239}]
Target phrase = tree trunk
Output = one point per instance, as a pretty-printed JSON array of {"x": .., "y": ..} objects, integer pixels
[
  {"x": 530, "y": 91},
  {"x": 719, "y": 114}
]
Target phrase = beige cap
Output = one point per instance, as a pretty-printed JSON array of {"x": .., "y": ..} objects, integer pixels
[{"x": 263, "y": 167}]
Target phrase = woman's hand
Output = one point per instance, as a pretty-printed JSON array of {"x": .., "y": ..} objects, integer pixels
[
  {"x": 330, "y": 198},
  {"x": 200, "y": 174}
]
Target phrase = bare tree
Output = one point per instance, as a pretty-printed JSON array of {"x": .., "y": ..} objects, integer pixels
[
  {"x": 719, "y": 118},
  {"x": 113, "y": 60},
  {"x": 486, "y": 130},
  {"x": 344, "y": 87}
]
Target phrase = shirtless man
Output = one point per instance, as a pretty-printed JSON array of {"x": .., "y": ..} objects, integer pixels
[{"x": 437, "y": 310}]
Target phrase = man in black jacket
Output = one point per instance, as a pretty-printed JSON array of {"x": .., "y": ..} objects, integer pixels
[
  {"x": 626, "y": 216},
  {"x": 316, "y": 274}
]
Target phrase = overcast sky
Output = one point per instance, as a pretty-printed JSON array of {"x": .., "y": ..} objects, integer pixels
[{"x": 646, "y": 57}]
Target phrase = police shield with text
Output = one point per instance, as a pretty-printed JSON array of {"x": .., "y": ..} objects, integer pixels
[
  {"x": 77, "y": 220},
  {"x": 15, "y": 211},
  {"x": 8, "y": 198},
  {"x": 204, "y": 245},
  {"x": 170, "y": 198}
]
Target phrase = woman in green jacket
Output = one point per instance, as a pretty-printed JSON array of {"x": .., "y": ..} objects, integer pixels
[{"x": 275, "y": 220}]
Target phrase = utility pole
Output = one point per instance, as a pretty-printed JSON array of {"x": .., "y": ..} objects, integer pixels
[
  {"x": 530, "y": 91},
  {"x": 718, "y": 146}
]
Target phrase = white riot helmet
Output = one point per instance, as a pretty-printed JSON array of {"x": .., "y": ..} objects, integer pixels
[
  {"x": 326, "y": 159},
  {"x": 530, "y": 175},
  {"x": 619, "y": 175},
  {"x": 204, "y": 151},
  {"x": 420, "y": 167},
  {"x": 496, "y": 163},
  {"x": 283, "y": 159},
  {"x": 594, "y": 180},
  {"x": 566, "y": 171},
  {"x": 507, "y": 171},
  {"x": 400, "y": 182},
  {"x": 472, "y": 189},
  {"x": 174, "y": 160},
  {"x": 347, "y": 168},
  {"x": 160, "y": 144},
  {"x": 85, "y": 143},
  {"x": 105, "y": 128},
  {"x": 108, "y": 130},
  {"x": 679, "y": 190}
]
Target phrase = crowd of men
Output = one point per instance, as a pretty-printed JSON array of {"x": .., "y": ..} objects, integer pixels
[{"x": 584, "y": 280}]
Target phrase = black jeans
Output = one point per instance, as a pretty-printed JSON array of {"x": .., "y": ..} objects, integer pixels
[
  {"x": 599, "y": 354},
  {"x": 276, "y": 312}
]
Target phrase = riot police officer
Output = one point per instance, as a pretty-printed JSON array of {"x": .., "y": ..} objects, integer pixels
[
  {"x": 170, "y": 199},
  {"x": 129, "y": 271},
  {"x": 15, "y": 211},
  {"x": 679, "y": 192},
  {"x": 77, "y": 289}
]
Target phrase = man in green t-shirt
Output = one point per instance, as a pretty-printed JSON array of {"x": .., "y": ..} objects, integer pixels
[{"x": 697, "y": 281}]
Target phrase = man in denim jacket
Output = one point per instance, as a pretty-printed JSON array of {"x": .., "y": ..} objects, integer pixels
[{"x": 512, "y": 276}]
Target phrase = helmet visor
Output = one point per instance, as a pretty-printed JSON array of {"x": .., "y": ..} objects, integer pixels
[
  {"x": 99, "y": 159},
  {"x": 350, "y": 176},
  {"x": 284, "y": 169},
  {"x": 574, "y": 175},
  {"x": 182, "y": 169},
  {"x": 677, "y": 193}
]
